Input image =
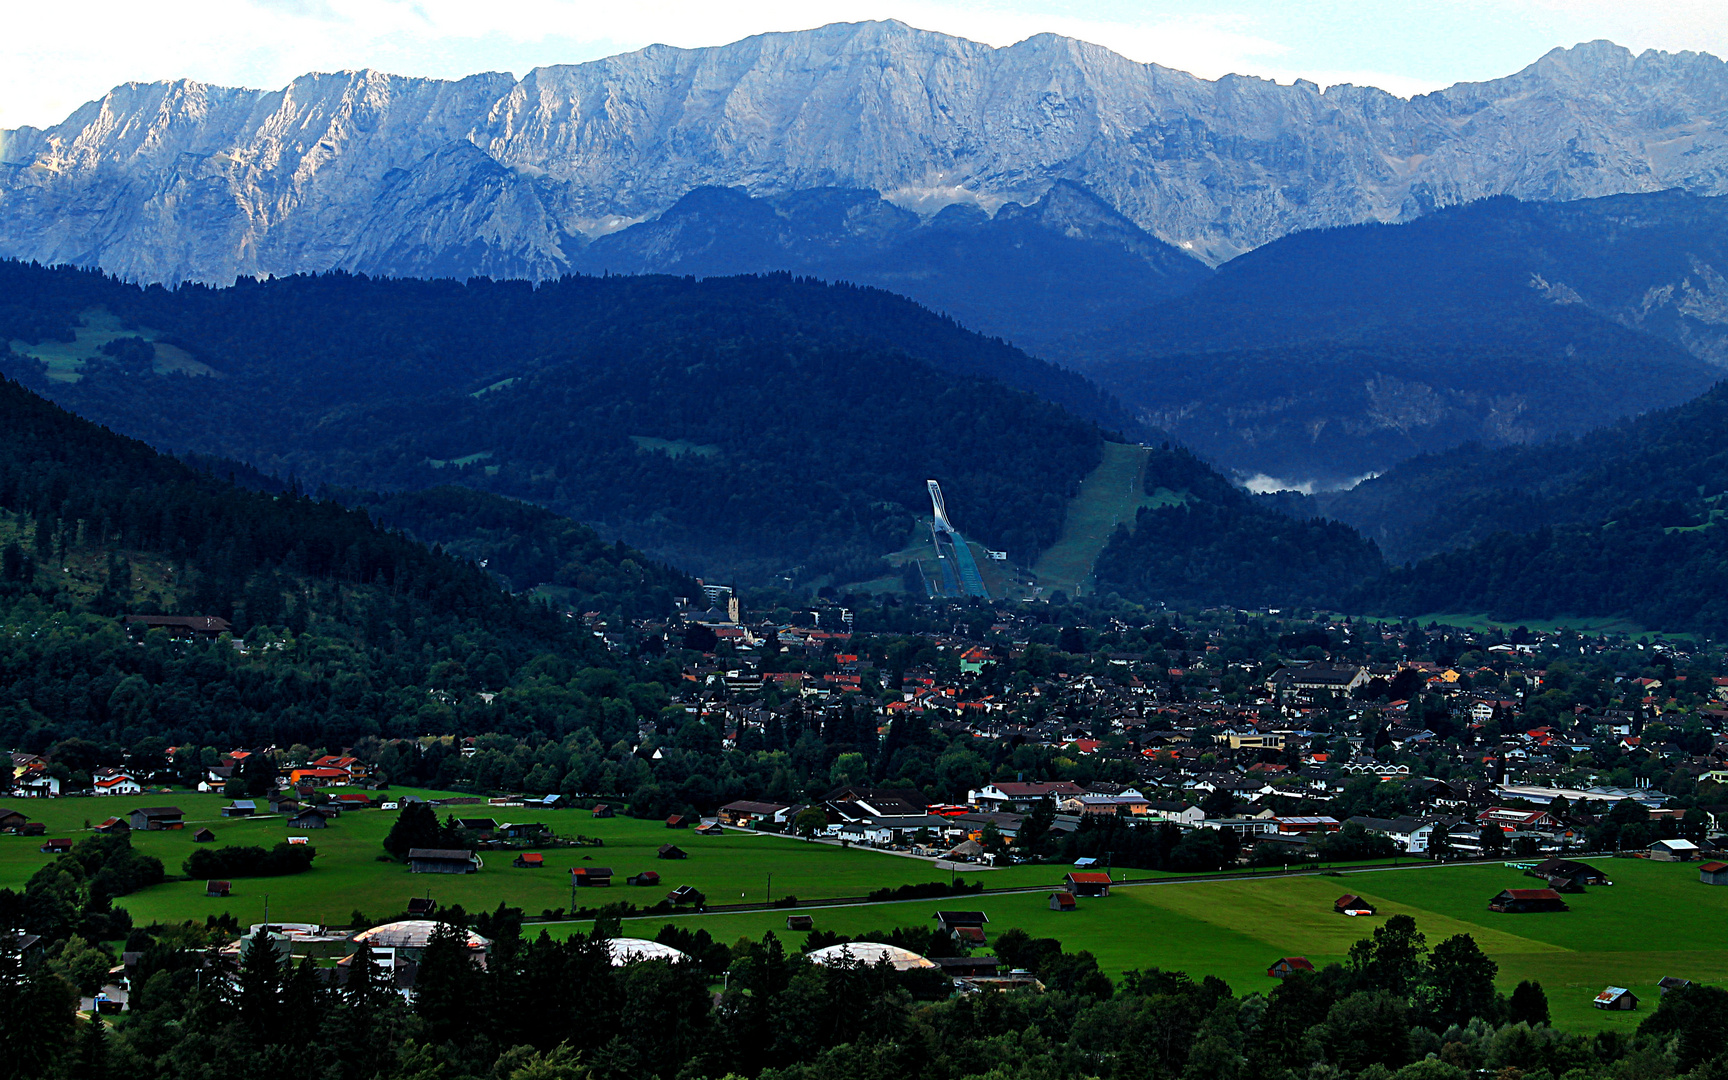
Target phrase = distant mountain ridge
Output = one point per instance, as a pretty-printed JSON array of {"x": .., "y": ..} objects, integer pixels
[
  {"x": 1065, "y": 265},
  {"x": 493, "y": 175},
  {"x": 1333, "y": 353}
]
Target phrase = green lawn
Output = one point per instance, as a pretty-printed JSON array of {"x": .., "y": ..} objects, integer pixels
[
  {"x": 1583, "y": 624},
  {"x": 348, "y": 874},
  {"x": 1630, "y": 934},
  {"x": 1110, "y": 494},
  {"x": 1653, "y": 922}
]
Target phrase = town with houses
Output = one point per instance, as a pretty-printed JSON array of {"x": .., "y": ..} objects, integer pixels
[{"x": 1339, "y": 741}]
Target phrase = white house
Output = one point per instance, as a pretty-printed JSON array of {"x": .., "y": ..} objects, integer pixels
[{"x": 114, "y": 782}]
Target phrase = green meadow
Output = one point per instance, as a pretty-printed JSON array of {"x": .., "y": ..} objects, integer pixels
[
  {"x": 349, "y": 874},
  {"x": 1652, "y": 922},
  {"x": 1112, "y": 493}
]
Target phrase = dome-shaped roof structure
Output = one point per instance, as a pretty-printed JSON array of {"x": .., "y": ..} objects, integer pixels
[
  {"x": 869, "y": 952},
  {"x": 628, "y": 950},
  {"x": 409, "y": 934}
]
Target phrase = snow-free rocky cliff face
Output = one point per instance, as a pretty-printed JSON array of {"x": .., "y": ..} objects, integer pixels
[{"x": 493, "y": 175}]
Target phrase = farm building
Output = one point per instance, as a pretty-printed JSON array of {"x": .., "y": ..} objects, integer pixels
[
  {"x": 240, "y": 808},
  {"x": 1670, "y": 982},
  {"x": 33, "y": 828},
  {"x": 1351, "y": 904},
  {"x": 1088, "y": 883},
  {"x": 203, "y": 836},
  {"x": 1287, "y": 966},
  {"x": 678, "y": 821},
  {"x": 1713, "y": 873},
  {"x": 1520, "y": 901},
  {"x": 1062, "y": 901},
  {"x": 112, "y": 826},
  {"x": 646, "y": 877},
  {"x": 950, "y": 921},
  {"x": 1673, "y": 851},
  {"x": 1573, "y": 875},
  {"x": 672, "y": 851},
  {"x": 1617, "y": 998},
  {"x": 746, "y": 814},
  {"x": 709, "y": 828},
  {"x": 529, "y": 861},
  {"x": 527, "y": 830},
  {"x": 13, "y": 820},
  {"x": 800, "y": 922},
  {"x": 309, "y": 818},
  {"x": 687, "y": 894},
  {"x": 421, "y": 907},
  {"x": 217, "y": 888},
  {"x": 603, "y": 810},
  {"x": 56, "y": 847},
  {"x": 588, "y": 877},
  {"x": 441, "y": 861},
  {"x": 153, "y": 818},
  {"x": 968, "y": 967}
]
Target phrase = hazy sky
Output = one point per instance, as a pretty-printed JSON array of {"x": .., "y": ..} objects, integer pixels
[{"x": 57, "y": 55}]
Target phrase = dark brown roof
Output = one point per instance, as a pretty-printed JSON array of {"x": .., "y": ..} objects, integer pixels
[
  {"x": 205, "y": 624},
  {"x": 440, "y": 853}
]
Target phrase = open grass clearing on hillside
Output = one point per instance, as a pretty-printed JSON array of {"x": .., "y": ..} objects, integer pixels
[
  {"x": 1649, "y": 924},
  {"x": 1111, "y": 494},
  {"x": 97, "y": 327}
]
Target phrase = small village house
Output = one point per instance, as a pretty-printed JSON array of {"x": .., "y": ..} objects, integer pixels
[
  {"x": 157, "y": 818},
  {"x": 1522, "y": 901},
  {"x": 441, "y": 861},
  {"x": 1088, "y": 883}
]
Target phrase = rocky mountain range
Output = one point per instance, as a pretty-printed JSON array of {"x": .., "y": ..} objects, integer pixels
[{"x": 514, "y": 177}]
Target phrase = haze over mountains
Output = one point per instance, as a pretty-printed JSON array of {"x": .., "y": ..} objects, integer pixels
[{"x": 493, "y": 175}]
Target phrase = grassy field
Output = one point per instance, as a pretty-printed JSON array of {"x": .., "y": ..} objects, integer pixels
[
  {"x": 1645, "y": 926},
  {"x": 348, "y": 874},
  {"x": 65, "y": 360},
  {"x": 1630, "y": 934},
  {"x": 1593, "y": 624},
  {"x": 1112, "y": 493}
]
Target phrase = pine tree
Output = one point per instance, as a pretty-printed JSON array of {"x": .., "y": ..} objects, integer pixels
[
  {"x": 91, "y": 1062},
  {"x": 260, "y": 984}
]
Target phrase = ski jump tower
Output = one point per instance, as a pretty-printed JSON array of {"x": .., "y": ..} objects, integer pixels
[{"x": 960, "y": 576}]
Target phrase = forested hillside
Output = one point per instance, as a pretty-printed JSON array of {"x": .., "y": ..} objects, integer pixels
[
  {"x": 1068, "y": 263},
  {"x": 742, "y": 426},
  {"x": 1329, "y": 354},
  {"x": 1626, "y": 522},
  {"x": 525, "y": 546},
  {"x": 349, "y": 629},
  {"x": 1439, "y": 502},
  {"x": 1210, "y": 543}
]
